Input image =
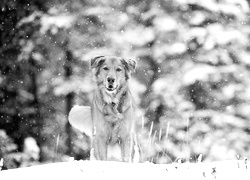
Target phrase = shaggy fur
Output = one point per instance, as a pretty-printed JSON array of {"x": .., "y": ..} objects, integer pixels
[{"x": 112, "y": 108}]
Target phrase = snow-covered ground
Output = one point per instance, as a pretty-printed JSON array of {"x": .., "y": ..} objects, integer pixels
[{"x": 228, "y": 170}]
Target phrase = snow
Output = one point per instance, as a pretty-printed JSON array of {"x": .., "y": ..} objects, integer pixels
[
  {"x": 101, "y": 10},
  {"x": 173, "y": 49},
  {"x": 136, "y": 88},
  {"x": 197, "y": 18},
  {"x": 197, "y": 33},
  {"x": 198, "y": 73},
  {"x": 245, "y": 56},
  {"x": 119, "y": 170},
  {"x": 226, "y": 6},
  {"x": 31, "y": 148},
  {"x": 165, "y": 24},
  {"x": 131, "y": 28},
  {"x": 96, "y": 52},
  {"x": 75, "y": 84},
  {"x": 137, "y": 36},
  {"x": 222, "y": 36},
  {"x": 229, "y": 91},
  {"x": 61, "y": 21},
  {"x": 80, "y": 118}
]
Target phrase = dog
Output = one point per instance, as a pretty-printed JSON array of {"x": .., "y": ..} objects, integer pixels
[{"x": 113, "y": 108}]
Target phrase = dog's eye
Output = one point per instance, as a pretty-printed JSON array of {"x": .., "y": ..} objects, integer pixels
[
  {"x": 105, "y": 68},
  {"x": 119, "y": 69}
]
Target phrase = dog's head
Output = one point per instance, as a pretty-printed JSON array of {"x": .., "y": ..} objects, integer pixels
[{"x": 112, "y": 72}]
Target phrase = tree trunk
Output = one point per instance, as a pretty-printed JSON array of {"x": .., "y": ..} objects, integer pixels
[{"x": 69, "y": 97}]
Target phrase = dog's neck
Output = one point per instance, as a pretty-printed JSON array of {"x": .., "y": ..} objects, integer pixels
[{"x": 114, "y": 97}]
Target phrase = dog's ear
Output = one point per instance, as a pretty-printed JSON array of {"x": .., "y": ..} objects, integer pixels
[
  {"x": 96, "y": 61},
  {"x": 130, "y": 64}
]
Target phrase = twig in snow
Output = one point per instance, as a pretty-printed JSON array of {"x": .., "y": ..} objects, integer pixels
[
  {"x": 214, "y": 172},
  {"x": 153, "y": 139},
  {"x": 1, "y": 164},
  {"x": 187, "y": 140},
  {"x": 160, "y": 132},
  {"x": 199, "y": 158},
  {"x": 149, "y": 137},
  {"x": 167, "y": 130},
  {"x": 151, "y": 129},
  {"x": 245, "y": 161},
  {"x": 238, "y": 163},
  {"x": 142, "y": 123},
  {"x": 163, "y": 152},
  {"x": 179, "y": 161},
  {"x": 57, "y": 144},
  {"x": 77, "y": 164}
]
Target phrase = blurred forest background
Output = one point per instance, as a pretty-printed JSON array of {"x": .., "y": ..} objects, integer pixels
[{"x": 192, "y": 83}]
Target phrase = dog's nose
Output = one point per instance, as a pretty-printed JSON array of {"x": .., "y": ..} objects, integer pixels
[{"x": 111, "y": 80}]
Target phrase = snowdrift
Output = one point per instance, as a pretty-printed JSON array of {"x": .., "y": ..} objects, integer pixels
[{"x": 229, "y": 170}]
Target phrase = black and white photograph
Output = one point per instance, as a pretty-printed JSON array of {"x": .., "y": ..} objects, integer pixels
[{"x": 125, "y": 89}]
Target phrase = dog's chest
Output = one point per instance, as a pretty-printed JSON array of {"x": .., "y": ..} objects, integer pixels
[
  {"x": 109, "y": 98},
  {"x": 114, "y": 132},
  {"x": 115, "y": 99}
]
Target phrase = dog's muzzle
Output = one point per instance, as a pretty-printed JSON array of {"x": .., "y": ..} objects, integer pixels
[
  {"x": 111, "y": 85},
  {"x": 111, "y": 88}
]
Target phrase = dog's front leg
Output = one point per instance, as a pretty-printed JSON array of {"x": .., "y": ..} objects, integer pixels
[
  {"x": 100, "y": 147},
  {"x": 127, "y": 149}
]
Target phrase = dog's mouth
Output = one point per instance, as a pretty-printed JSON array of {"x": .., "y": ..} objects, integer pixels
[{"x": 111, "y": 88}]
